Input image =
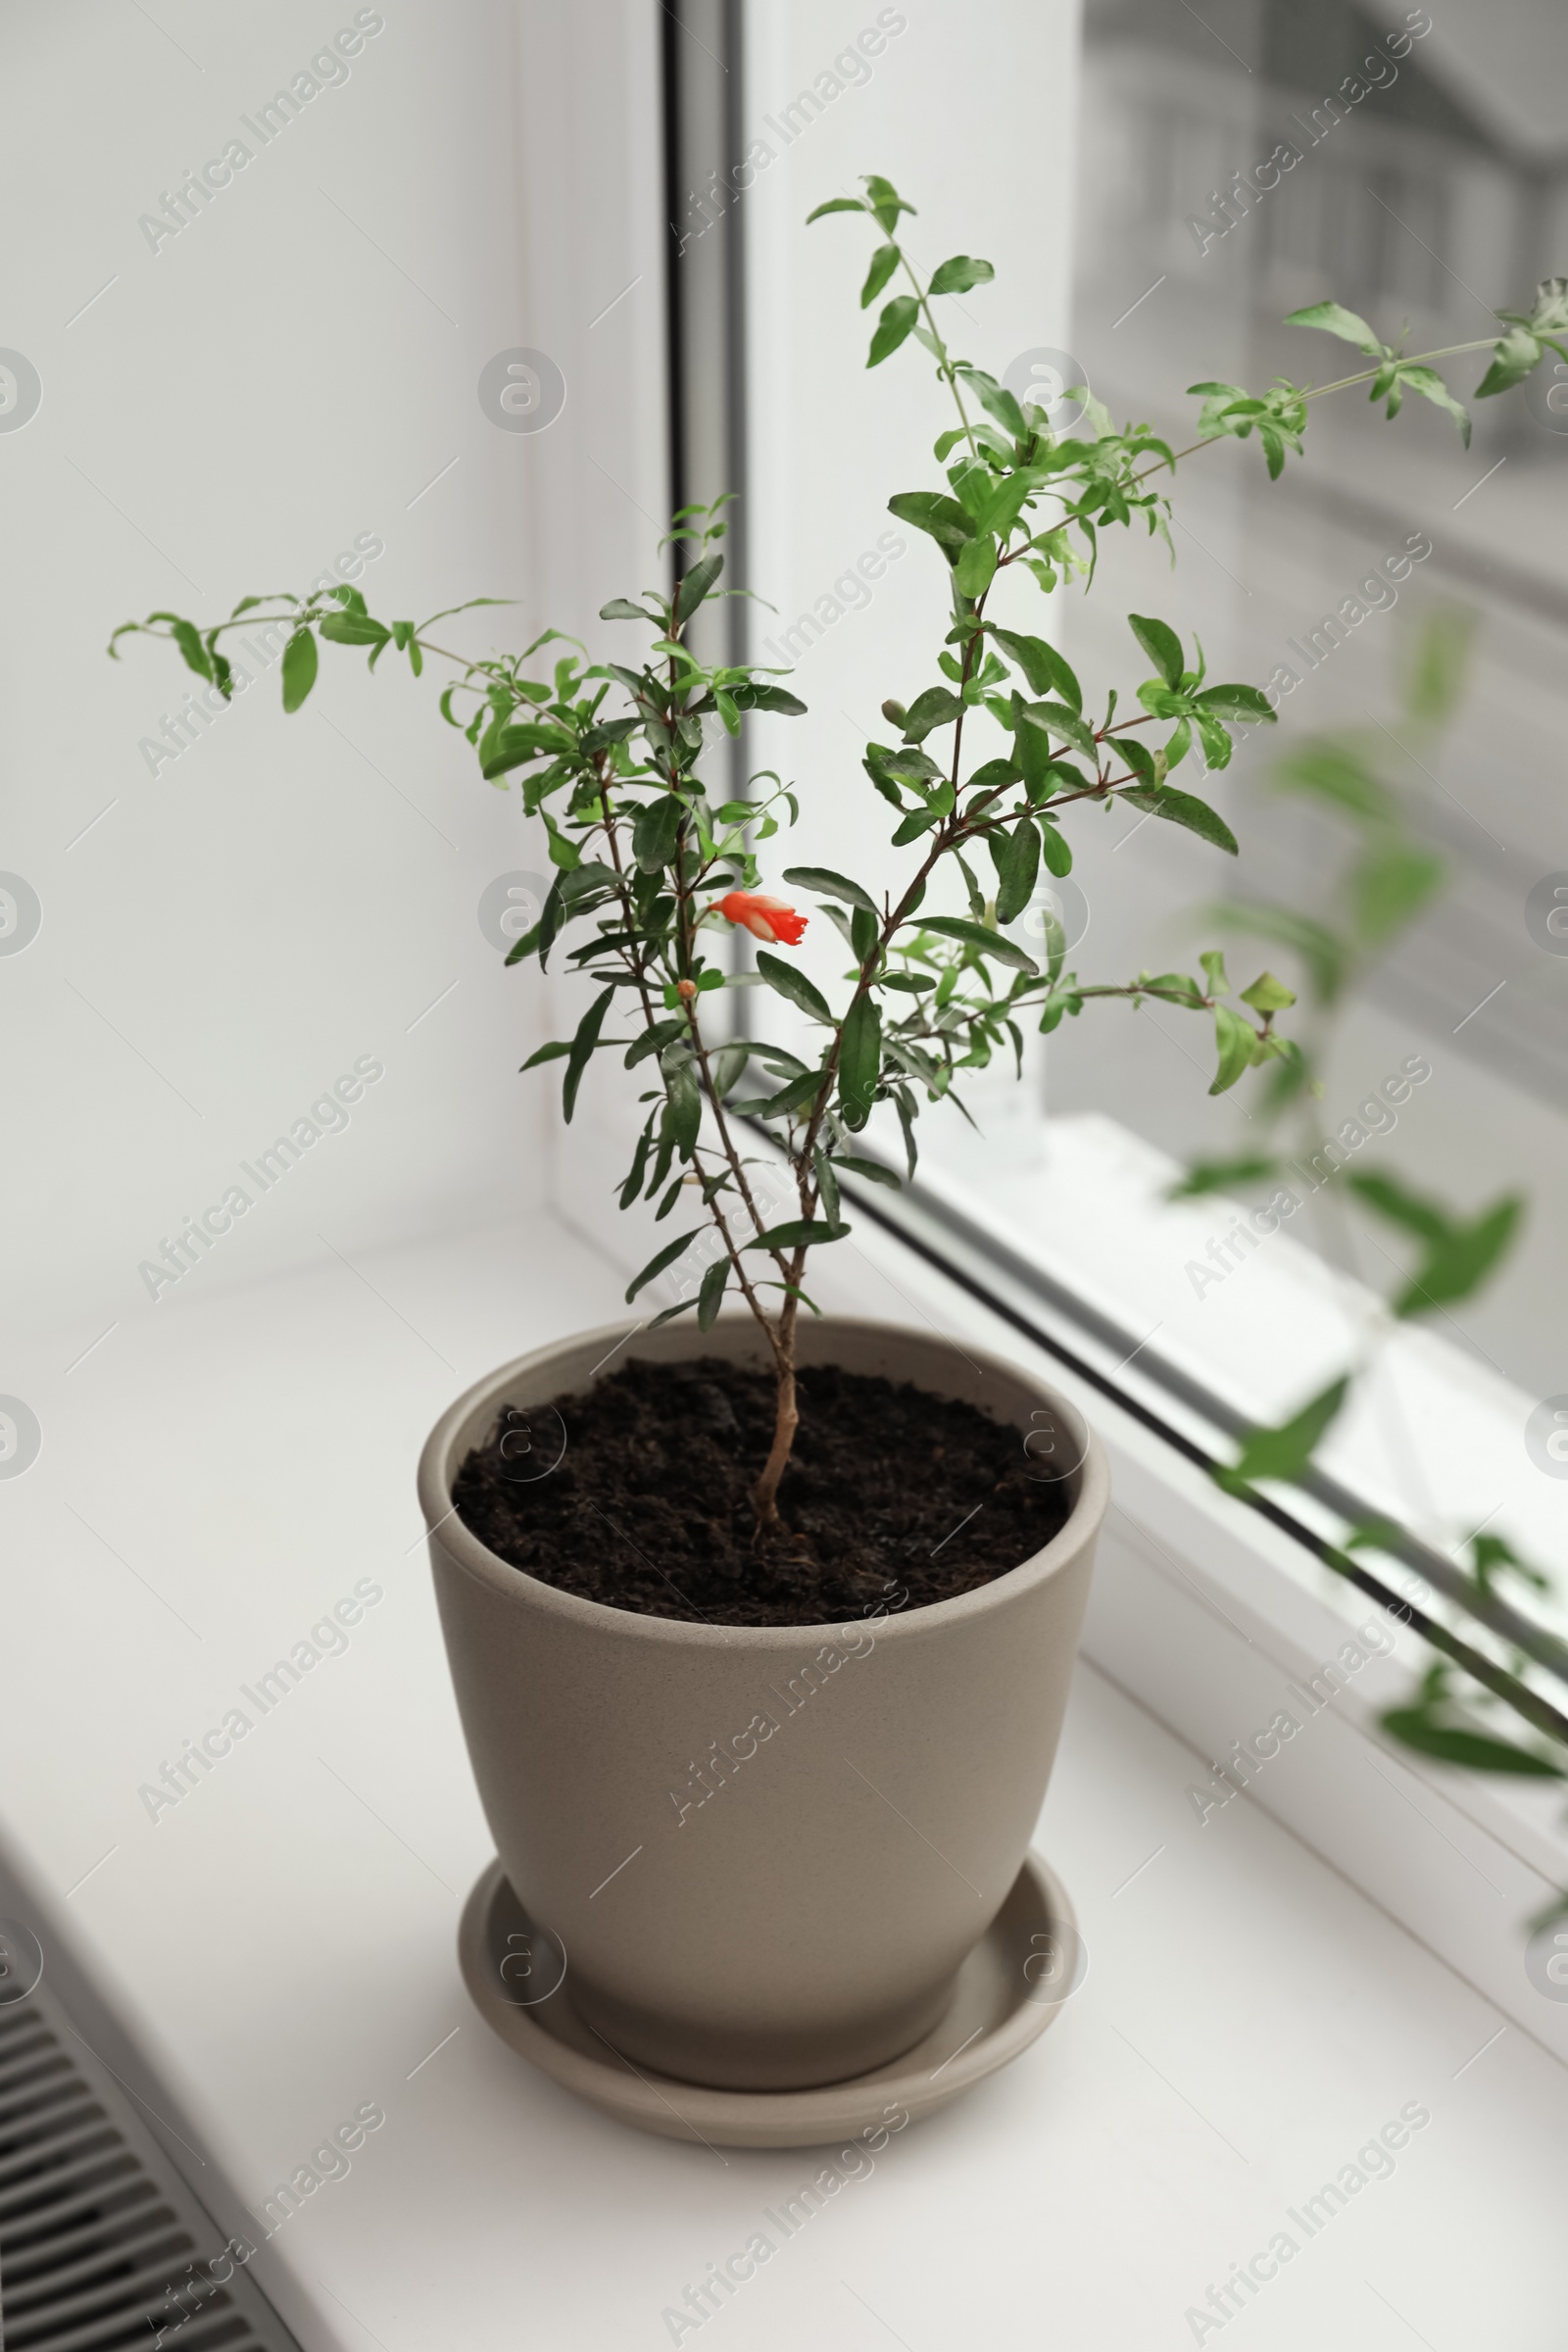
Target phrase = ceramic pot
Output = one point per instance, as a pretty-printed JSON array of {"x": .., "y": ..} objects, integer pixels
[{"x": 763, "y": 1851}]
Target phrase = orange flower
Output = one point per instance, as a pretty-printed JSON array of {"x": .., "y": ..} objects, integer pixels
[{"x": 765, "y": 918}]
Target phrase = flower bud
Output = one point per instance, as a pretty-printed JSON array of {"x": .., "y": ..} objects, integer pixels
[
  {"x": 895, "y": 714},
  {"x": 686, "y": 989}
]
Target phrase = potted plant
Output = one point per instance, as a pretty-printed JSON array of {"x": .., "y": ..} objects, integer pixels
[{"x": 761, "y": 1623}]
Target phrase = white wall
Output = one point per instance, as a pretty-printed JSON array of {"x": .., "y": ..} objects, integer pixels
[
  {"x": 974, "y": 123},
  {"x": 298, "y": 366}
]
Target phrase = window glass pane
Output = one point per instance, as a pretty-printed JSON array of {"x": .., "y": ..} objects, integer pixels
[{"x": 1401, "y": 595}]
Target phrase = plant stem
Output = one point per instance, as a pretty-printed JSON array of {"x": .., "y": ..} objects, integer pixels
[
  {"x": 736, "y": 1164},
  {"x": 786, "y": 1421},
  {"x": 1343, "y": 383},
  {"x": 631, "y": 961},
  {"x": 1418, "y": 359},
  {"x": 944, "y": 364}
]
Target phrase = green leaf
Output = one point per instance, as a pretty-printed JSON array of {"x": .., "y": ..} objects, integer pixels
[
  {"x": 828, "y": 885},
  {"x": 1461, "y": 1262},
  {"x": 1495, "y": 1553},
  {"x": 353, "y": 629},
  {"x": 552, "y": 915},
  {"x": 667, "y": 1258},
  {"x": 1233, "y": 1035},
  {"x": 795, "y": 985},
  {"x": 1436, "y": 666},
  {"x": 528, "y": 945},
  {"x": 670, "y": 1313},
  {"x": 907, "y": 765},
  {"x": 621, "y": 608},
  {"x": 1268, "y": 994},
  {"x": 794, "y": 1097},
  {"x": 997, "y": 775},
  {"x": 942, "y": 517},
  {"x": 1237, "y": 702},
  {"x": 1517, "y": 352},
  {"x": 710, "y": 1293},
  {"x": 958, "y": 274},
  {"x": 1183, "y": 808},
  {"x": 1548, "y": 312},
  {"x": 656, "y": 1039},
  {"x": 1414, "y": 1212},
  {"x": 836, "y": 204},
  {"x": 827, "y": 1185},
  {"x": 1389, "y": 886},
  {"x": 1472, "y": 1752},
  {"x": 187, "y": 637},
  {"x": 885, "y": 202},
  {"x": 1139, "y": 758},
  {"x": 976, "y": 567},
  {"x": 872, "y": 1169},
  {"x": 1042, "y": 665},
  {"x": 977, "y": 934},
  {"x": 300, "y": 661},
  {"x": 1431, "y": 386},
  {"x": 582, "y": 1048},
  {"x": 1055, "y": 848},
  {"x": 1329, "y": 771},
  {"x": 1017, "y": 858},
  {"x": 1162, "y": 644},
  {"x": 586, "y": 880},
  {"x": 633, "y": 1184},
  {"x": 935, "y": 708},
  {"x": 921, "y": 822},
  {"x": 1214, "y": 963},
  {"x": 1335, "y": 321},
  {"x": 909, "y": 1110},
  {"x": 685, "y": 1093},
  {"x": 860, "y": 1059},
  {"x": 755, "y": 697},
  {"x": 1221, "y": 1176},
  {"x": 800, "y": 1233},
  {"x": 554, "y": 1051},
  {"x": 1005, "y": 503},
  {"x": 514, "y": 745},
  {"x": 893, "y": 327},
  {"x": 996, "y": 400},
  {"x": 695, "y": 585},
  {"x": 563, "y": 849},
  {"x": 1055, "y": 719},
  {"x": 1284, "y": 1452},
  {"x": 884, "y": 261},
  {"x": 656, "y": 831},
  {"x": 1033, "y": 753},
  {"x": 726, "y": 1065}
]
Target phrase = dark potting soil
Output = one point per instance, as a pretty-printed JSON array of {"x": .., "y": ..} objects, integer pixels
[{"x": 893, "y": 1496}]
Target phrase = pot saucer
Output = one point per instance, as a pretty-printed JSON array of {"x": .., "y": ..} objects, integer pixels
[{"x": 1011, "y": 1987}]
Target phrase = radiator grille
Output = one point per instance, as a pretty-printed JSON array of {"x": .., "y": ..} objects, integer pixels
[{"x": 101, "y": 2244}]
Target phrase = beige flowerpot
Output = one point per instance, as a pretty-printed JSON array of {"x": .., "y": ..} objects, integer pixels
[{"x": 871, "y": 1786}]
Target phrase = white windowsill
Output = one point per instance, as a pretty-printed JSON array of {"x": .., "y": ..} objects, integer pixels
[
  {"x": 1436, "y": 1439},
  {"x": 283, "y": 1940}
]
